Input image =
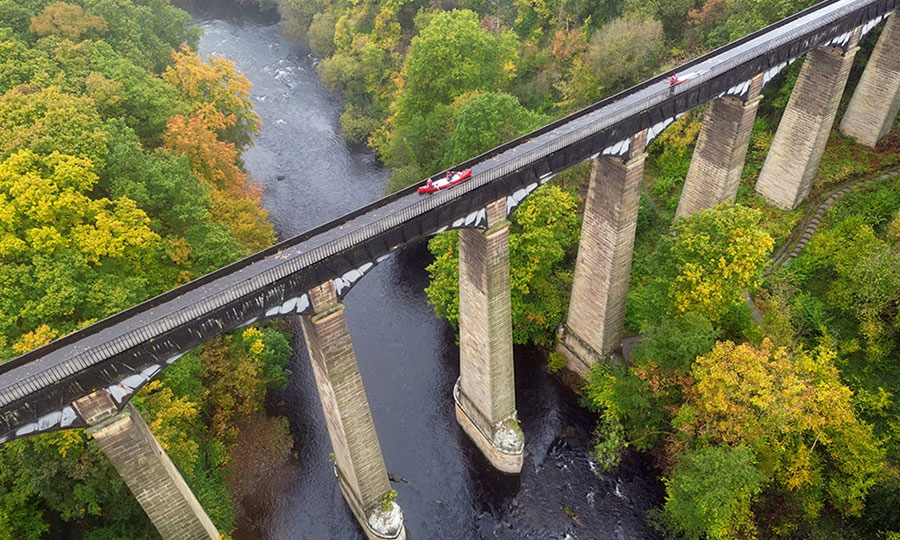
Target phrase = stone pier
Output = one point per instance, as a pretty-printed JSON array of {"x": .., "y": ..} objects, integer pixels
[
  {"x": 485, "y": 394},
  {"x": 597, "y": 306},
  {"x": 148, "y": 472},
  {"x": 721, "y": 148},
  {"x": 799, "y": 143},
  {"x": 875, "y": 103},
  {"x": 358, "y": 462}
]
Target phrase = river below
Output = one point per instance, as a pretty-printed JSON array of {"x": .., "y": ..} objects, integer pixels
[{"x": 408, "y": 358}]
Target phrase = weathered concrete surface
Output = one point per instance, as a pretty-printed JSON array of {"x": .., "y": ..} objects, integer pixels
[
  {"x": 486, "y": 391},
  {"x": 876, "y": 101},
  {"x": 799, "y": 143},
  {"x": 718, "y": 159},
  {"x": 147, "y": 470},
  {"x": 358, "y": 461},
  {"x": 597, "y": 306}
]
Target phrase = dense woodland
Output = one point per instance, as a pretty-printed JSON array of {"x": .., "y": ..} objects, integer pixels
[{"x": 120, "y": 177}]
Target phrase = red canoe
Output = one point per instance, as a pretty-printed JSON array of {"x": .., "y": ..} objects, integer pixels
[{"x": 444, "y": 183}]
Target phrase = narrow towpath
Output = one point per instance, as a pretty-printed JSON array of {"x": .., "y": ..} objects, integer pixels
[{"x": 804, "y": 230}]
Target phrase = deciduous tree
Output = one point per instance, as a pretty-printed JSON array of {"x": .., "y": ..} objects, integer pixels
[
  {"x": 235, "y": 197},
  {"x": 485, "y": 120},
  {"x": 47, "y": 120},
  {"x": 69, "y": 21},
  {"x": 216, "y": 86},
  {"x": 62, "y": 250},
  {"x": 710, "y": 494},
  {"x": 863, "y": 281},
  {"x": 717, "y": 255},
  {"x": 793, "y": 410},
  {"x": 625, "y": 51},
  {"x": 453, "y": 55}
]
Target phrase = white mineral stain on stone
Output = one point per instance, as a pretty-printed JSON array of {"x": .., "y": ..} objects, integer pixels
[
  {"x": 387, "y": 524},
  {"x": 506, "y": 439}
]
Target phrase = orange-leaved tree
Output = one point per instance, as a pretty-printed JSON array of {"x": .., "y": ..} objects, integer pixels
[
  {"x": 222, "y": 122},
  {"x": 216, "y": 84},
  {"x": 235, "y": 197}
]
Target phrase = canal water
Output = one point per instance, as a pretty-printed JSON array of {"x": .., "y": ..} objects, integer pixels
[{"x": 408, "y": 358}]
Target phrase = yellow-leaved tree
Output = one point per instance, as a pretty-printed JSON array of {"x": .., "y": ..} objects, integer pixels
[
  {"x": 69, "y": 21},
  {"x": 791, "y": 409},
  {"x": 68, "y": 259},
  {"x": 718, "y": 254}
]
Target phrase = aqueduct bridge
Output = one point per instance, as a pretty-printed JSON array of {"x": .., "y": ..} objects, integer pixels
[{"x": 87, "y": 379}]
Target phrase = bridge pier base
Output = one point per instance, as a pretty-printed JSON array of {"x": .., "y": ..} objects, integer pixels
[
  {"x": 876, "y": 101},
  {"x": 799, "y": 143},
  {"x": 148, "y": 472},
  {"x": 485, "y": 394},
  {"x": 358, "y": 462},
  {"x": 718, "y": 159},
  {"x": 597, "y": 306}
]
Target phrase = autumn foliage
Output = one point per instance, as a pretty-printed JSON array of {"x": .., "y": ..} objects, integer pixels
[
  {"x": 210, "y": 137},
  {"x": 120, "y": 178},
  {"x": 215, "y": 85},
  {"x": 69, "y": 21}
]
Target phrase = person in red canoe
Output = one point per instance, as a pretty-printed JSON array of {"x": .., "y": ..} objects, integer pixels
[
  {"x": 429, "y": 184},
  {"x": 673, "y": 80}
]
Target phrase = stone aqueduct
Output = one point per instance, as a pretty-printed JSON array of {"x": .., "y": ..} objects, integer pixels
[{"x": 87, "y": 379}]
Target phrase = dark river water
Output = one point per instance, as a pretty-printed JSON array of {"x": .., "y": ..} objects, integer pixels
[{"x": 408, "y": 358}]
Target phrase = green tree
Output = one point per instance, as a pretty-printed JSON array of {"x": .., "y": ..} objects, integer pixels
[
  {"x": 61, "y": 473},
  {"x": 21, "y": 64},
  {"x": 861, "y": 282},
  {"x": 485, "y": 120},
  {"x": 625, "y": 51},
  {"x": 710, "y": 493},
  {"x": 145, "y": 31},
  {"x": 147, "y": 101},
  {"x": 451, "y": 56}
]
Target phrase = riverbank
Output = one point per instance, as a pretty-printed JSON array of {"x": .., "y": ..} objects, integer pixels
[{"x": 261, "y": 466}]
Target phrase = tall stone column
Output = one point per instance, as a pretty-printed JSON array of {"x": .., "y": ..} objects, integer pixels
[
  {"x": 876, "y": 101},
  {"x": 718, "y": 159},
  {"x": 597, "y": 306},
  {"x": 485, "y": 394},
  {"x": 147, "y": 470},
  {"x": 358, "y": 462},
  {"x": 799, "y": 143}
]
